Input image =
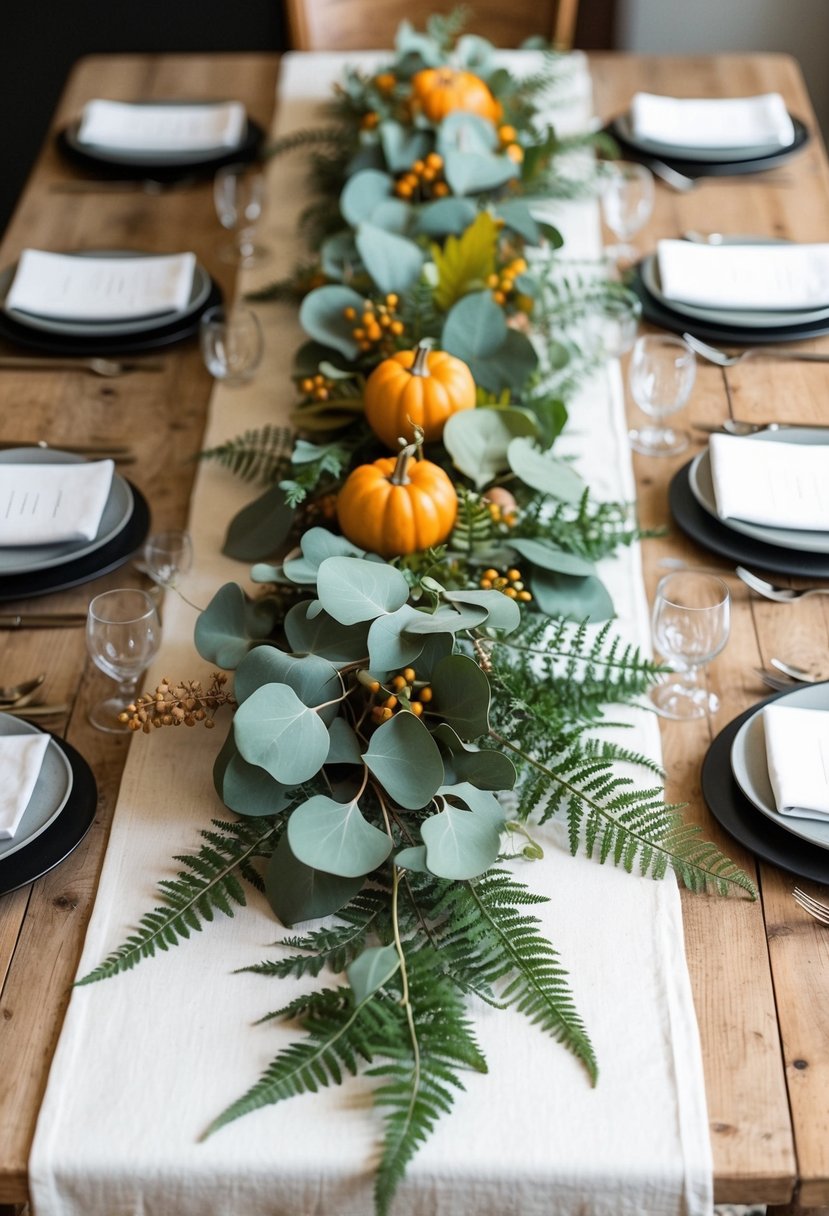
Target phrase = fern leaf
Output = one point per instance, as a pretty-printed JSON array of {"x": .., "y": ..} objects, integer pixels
[
  {"x": 205, "y": 886},
  {"x": 259, "y": 455}
]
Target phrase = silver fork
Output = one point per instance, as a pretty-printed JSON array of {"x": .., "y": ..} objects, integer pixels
[
  {"x": 815, "y": 907},
  {"x": 772, "y": 591},
  {"x": 99, "y": 367},
  {"x": 714, "y": 355}
]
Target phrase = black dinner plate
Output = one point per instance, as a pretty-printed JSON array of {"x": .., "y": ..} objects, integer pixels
[
  {"x": 92, "y": 565},
  {"x": 717, "y": 168},
  {"x": 162, "y": 170},
  {"x": 63, "y": 836},
  {"x": 714, "y": 331},
  {"x": 114, "y": 344},
  {"x": 711, "y": 534},
  {"x": 733, "y": 811}
]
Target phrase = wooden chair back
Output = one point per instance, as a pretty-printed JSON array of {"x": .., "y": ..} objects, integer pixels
[{"x": 350, "y": 25}]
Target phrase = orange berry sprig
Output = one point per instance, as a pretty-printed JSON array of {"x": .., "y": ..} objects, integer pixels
[
  {"x": 403, "y": 692},
  {"x": 502, "y": 283},
  {"x": 509, "y": 143},
  {"x": 182, "y": 704},
  {"x": 510, "y": 584},
  {"x": 316, "y": 388},
  {"x": 423, "y": 179},
  {"x": 378, "y": 328}
]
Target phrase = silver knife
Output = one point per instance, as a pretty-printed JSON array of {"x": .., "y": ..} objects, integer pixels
[
  {"x": 41, "y": 620},
  {"x": 731, "y": 426}
]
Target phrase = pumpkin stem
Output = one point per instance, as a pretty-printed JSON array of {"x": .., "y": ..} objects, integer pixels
[
  {"x": 400, "y": 472},
  {"x": 421, "y": 354}
]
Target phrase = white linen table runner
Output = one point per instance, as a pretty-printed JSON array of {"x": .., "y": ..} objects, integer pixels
[{"x": 146, "y": 1060}]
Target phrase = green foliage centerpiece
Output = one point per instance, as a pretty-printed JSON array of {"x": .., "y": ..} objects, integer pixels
[{"x": 432, "y": 642}]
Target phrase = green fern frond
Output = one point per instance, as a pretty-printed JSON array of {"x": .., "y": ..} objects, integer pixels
[
  {"x": 207, "y": 884},
  {"x": 473, "y": 526},
  {"x": 262, "y": 455},
  {"x": 306, "y": 137}
]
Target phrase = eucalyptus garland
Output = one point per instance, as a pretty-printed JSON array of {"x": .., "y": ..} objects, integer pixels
[{"x": 393, "y": 697}]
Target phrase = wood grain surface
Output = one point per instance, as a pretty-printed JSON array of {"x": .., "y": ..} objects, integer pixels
[{"x": 760, "y": 971}]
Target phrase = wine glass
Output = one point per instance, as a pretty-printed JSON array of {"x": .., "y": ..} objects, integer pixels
[
  {"x": 627, "y": 203},
  {"x": 691, "y": 623},
  {"x": 168, "y": 555},
  {"x": 613, "y": 322},
  {"x": 123, "y": 635},
  {"x": 662, "y": 373},
  {"x": 239, "y": 196},
  {"x": 232, "y": 344}
]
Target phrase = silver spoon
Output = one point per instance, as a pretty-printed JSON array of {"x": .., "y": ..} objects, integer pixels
[{"x": 796, "y": 673}]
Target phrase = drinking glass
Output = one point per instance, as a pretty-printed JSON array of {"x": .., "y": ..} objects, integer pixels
[
  {"x": 123, "y": 634},
  {"x": 614, "y": 320},
  {"x": 627, "y": 203},
  {"x": 661, "y": 376},
  {"x": 691, "y": 622},
  {"x": 239, "y": 196},
  {"x": 168, "y": 555},
  {"x": 231, "y": 344}
]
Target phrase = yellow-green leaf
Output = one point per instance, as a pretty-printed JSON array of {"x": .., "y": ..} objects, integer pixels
[{"x": 465, "y": 262}]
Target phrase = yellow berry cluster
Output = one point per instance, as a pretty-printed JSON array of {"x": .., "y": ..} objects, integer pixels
[
  {"x": 510, "y": 584},
  {"x": 509, "y": 145},
  {"x": 182, "y": 704},
  {"x": 424, "y": 178},
  {"x": 402, "y": 688},
  {"x": 502, "y": 283},
  {"x": 318, "y": 387},
  {"x": 377, "y": 327}
]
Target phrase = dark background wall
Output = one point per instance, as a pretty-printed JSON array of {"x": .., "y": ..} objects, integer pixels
[{"x": 41, "y": 39}]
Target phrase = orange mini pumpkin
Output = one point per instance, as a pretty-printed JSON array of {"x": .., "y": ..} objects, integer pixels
[
  {"x": 418, "y": 388},
  {"x": 397, "y": 506},
  {"x": 441, "y": 91}
]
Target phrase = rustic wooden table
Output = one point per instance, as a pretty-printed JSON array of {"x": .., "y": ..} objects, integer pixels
[{"x": 760, "y": 971}]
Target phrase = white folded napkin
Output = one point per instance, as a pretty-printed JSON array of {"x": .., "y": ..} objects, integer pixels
[
  {"x": 21, "y": 757},
  {"x": 745, "y": 276},
  {"x": 797, "y": 752},
  {"x": 712, "y": 122},
  {"x": 162, "y": 128},
  {"x": 72, "y": 288},
  {"x": 49, "y": 504},
  {"x": 779, "y": 485}
]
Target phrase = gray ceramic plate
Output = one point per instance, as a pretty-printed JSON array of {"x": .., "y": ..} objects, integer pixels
[
  {"x": 116, "y": 515},
  {"x": 104, "y": 329},
  {"x": 118, "y": 155},
  {"x": 746, "y": 318},
  {"x": 750, "y": 769},
  {"x": 49, "y": 797},
  {"x": 702, "y": 488},
  {"x": 694, "y": 151}
]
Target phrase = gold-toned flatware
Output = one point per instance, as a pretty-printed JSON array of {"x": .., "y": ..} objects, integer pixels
[
  {"x": 11, "y": 694},
  {"x": 36, "y": 711},
  {"x": 85, "y": 448},
  {"x": 41, "y": 620},
  {"x": 98, "y": 367}
]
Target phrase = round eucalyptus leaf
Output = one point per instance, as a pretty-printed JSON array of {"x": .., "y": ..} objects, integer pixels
[
  {"x": 401, "y": 145},
  {"x": 517, "y": 216},
  {"x": 313, "y": 679},
  {"x": 223, "y": 757},
  {"x": 369, "y": 156},
  {"x": 478, "y": 440},
  {"x": 474, "y": 327},
  {"x": 321, "y": 315},
  {"x": 362, "y": 192},
  {"x": 263, "y": 572},
  {"x": 371, "y": 970},
  {"x": 413, "y": 858},
  {"x": 509, "y": 366},
  {"x": 392, "y": 261},
  {"x": 276, "y": 731},
  {"x": 475, "y": 172},
  {"x": 445, "y": 217},
  {"x": 461, "y": 695},
  {"x": 581, "y": 599},
  {"x": 482, "y": 767},
  {"x": 460, "y": 844},
  {"x": 334, "y": 836},
  {"x": 339, "y": 258},
  {"x": 249, "y": 790},
  {"x": 448, "y": 619},
  {"x": 475, "y": 54},
  {"x": 392, "y": 215},
  {"x": 312, "y": 632},
  {"x": 501, "y": 612},
  {"x": 548, "y": 556},
  {"x": 467, "y": 132},
  {"x": 316, "y": 545},
  {"x": 297, "y": 892},
  {"x": 343, "y": 747},
  {"x": 544, "y": 472},
  {"x": 352, "y": 590},
  {"x": 259, "y": 528},
  {"x": 482, "y": 802},
  {"x": 389, "y": 646},
  {"x": 406, "y": 761},
  {"x": 230, "y": 625},
  {"x": 436, "y": 646}
]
